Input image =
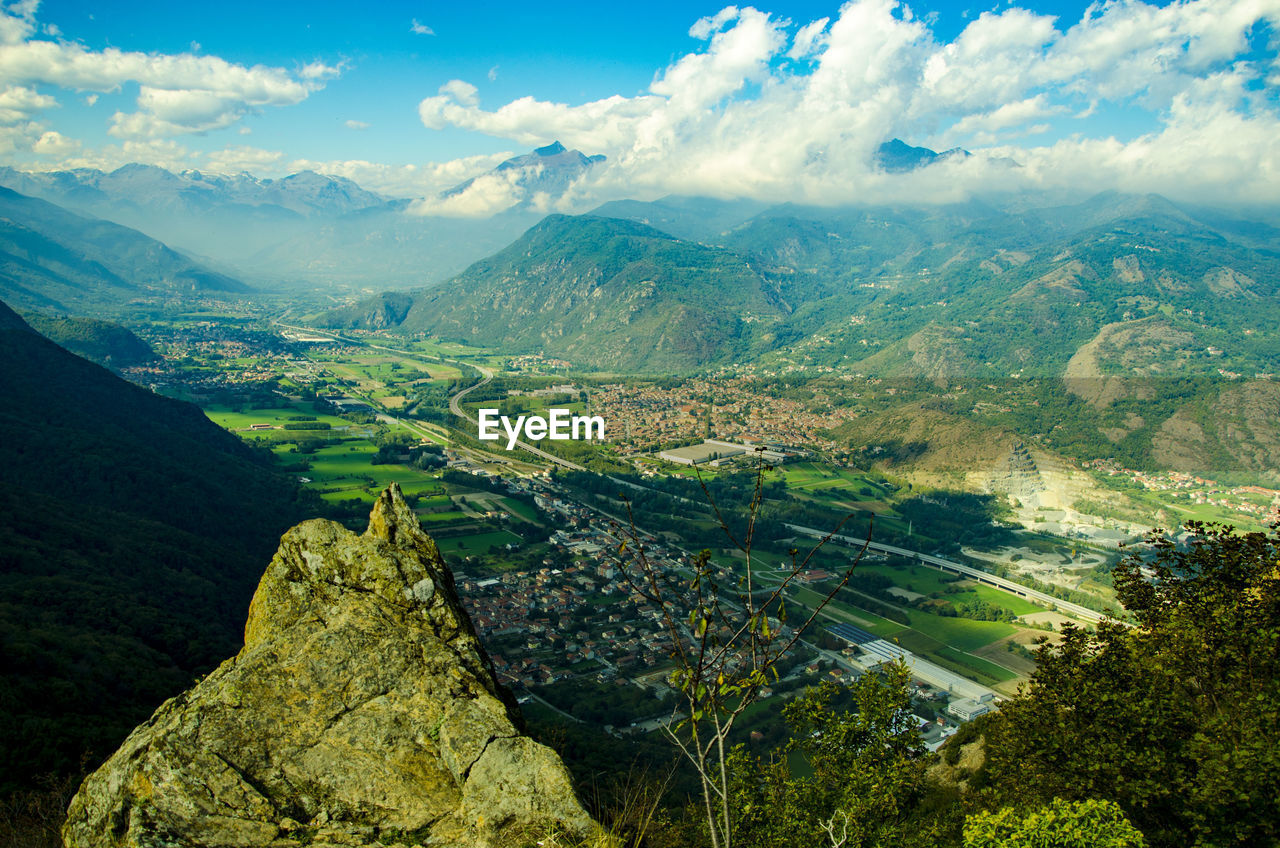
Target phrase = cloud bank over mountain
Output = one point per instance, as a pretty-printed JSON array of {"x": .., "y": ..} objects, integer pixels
[
  {"x": 1179, "y": 99},
  {"x": 774, "y": 109}
]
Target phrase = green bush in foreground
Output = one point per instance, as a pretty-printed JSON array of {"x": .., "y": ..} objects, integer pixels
[
  {"x": 866, "y": 771},
  {"x": 1061, "y": 824}
]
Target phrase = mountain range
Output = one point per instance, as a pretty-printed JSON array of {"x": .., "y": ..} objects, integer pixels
[
  {"x": 308, "y": 229},
  {"x": 548, "y": 170},
  {"x": 940, "y": 292},
  {"x": 608, "y": 293},
  {"x": 51, "y": 258}
]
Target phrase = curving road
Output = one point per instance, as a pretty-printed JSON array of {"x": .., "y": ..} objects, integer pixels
[{"x": 455, "y": 406}]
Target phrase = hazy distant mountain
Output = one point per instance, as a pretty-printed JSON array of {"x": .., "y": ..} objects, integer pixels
[
  {"x": 701, "y": 219},
  {"x": 547, "y": 170},
  {"x": 896, "y": 156},
  {"x": 1118, "y": 284},
  {"x": 386, "y": 246},
  {"x": 604, "y": 292},
  {"x": 147, "y": 187},
  {"x": 226, "y": 218},
  {"x": 304, "y": 229},
  {"x": 51, "y": 258}
]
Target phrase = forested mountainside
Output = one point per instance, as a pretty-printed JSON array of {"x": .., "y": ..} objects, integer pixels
[
  {"x": 1123, "y": 285},
  {"x": 132, "y": 533},
  {"x": 102, "y": 342},
  {"x": 613, "y": 294}
]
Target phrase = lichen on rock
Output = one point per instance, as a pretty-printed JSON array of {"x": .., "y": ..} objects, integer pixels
[{"x": 362, "y": 710}]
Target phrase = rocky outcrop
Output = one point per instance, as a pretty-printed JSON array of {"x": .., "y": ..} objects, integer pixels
[{"x": 362, "y": 710}]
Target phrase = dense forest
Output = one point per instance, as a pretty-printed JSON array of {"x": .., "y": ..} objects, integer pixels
[{"x": 132, "y": 533}]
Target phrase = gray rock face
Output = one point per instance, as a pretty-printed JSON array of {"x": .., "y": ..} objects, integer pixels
[{"x": 361, "y": 711}]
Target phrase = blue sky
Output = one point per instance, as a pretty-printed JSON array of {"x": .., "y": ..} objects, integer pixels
[{"x": 783, "y": 101}]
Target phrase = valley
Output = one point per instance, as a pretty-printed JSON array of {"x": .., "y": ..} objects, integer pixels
[
  {"x": 534, "y": 544},
  {"x": 884, "y": 371},
  {"x": 769, "y": 426}
]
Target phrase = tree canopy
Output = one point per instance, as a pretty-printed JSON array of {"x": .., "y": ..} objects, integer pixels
[{"x": 1172, "y": 719}]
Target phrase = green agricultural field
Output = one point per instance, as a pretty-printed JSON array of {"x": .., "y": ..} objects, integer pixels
[
  {"x": 346, "y": 468},
  {"x": 429, "y": 493},
  {"x": 444, "y": 517},
  {"x": 971, "y": 666},
  {"x": 926, "y": 580},
  {"x": 1212, "y": 513},
  {"x": 813, "y": 475},
  {"x": 522, "y": 509},
  {"x": 839, "y": 488},
  {"x": 992, "y": 595},
  {"x": 452, "y": 350},
  {"x": 349, "y": 460},
  {"x": 962, "y": 633},
  {"x": 477, "y": 543},
  {"x": 226, "y": 417},
  {"x": 441, "y": 372}
]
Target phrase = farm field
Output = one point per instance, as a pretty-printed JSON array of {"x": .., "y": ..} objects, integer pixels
[
  {"x": 925, "y": 580},
  {"x": 947, "y": 641},
  {"x": 845, "y": 490},
  {"x": 231, "y": 419},
  {"x": 476, "y": 543}
]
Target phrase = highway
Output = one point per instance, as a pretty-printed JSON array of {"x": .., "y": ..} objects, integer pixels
[
  {"x": 1083, "y": 613},
  {"x": 455, "y": 406}
]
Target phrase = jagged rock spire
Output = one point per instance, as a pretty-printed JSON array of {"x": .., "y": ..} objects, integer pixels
[{"x": 361, "y": 711}]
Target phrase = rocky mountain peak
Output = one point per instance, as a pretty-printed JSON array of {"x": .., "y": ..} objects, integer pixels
[
  {"x": 362, "y": 710},
  {"x": 550, "y": 150},
  {"x": 392, "y": 518}
]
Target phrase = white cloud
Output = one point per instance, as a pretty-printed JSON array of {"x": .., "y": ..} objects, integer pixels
[
  {"x": 762, "y": 107},
  {"x": 353, "y": 124},
  {"x": 55, "y": 144},
  {"x": 704, "y": 27},
  {"x": 17, "y": 22},
  {"x": 320, "y": 71},
  {"x": 178, "y": 93},
  {"x": 734, "y": 118},
  {"x": 1009, "y": 115},
  {"x": 808, "y": 39},
  {"x": 487, "y": 195},
  {"x": 404, "y": 180},
  {"x": 420, "y": 29},
  {"x": 234, "y": 160},
  {"x": 164, "y": 153},
  {"x": 19, "y": 103}
]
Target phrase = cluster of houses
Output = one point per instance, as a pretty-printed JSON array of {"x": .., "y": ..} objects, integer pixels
[
  {"x": 642, "y": 417},
  {"x": 1200, "y": 490},
  {"x": 557, "y": 623},
  {"x": 583, "y": 613}
]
